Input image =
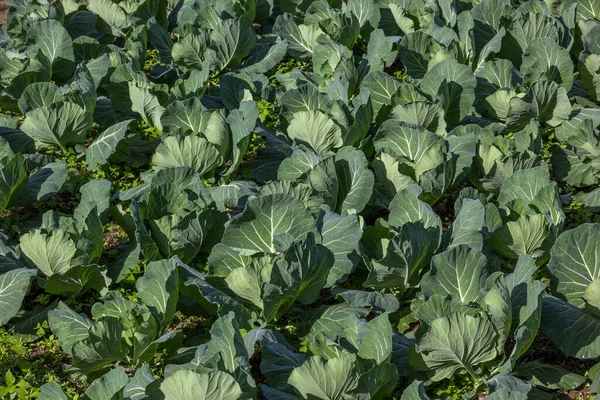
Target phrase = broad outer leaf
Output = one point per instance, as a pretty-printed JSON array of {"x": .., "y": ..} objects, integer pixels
[
  {"x": 189, "y": 151},
  {"x": 415, "y": 391},
  {"x": 278, "y": 362},
  {"x": 68, "y": 326},
  {"x": 379, "y": 382},
  {"x": 575, "y": 262},
  {"x": 549, "y": 376},
  {"x": 325, "y": 379},
  {"x": 266, "y": 218},
  {"x": 39, "y": 94},
  {"x": 376, "y": 345},
  {"x": 146, "y": 104},
  {"x": 300, "y": 276},
  {"x": 13, "y": 181},
  {"x": 76, "y": 280},
  {"x": 112, "y": 14},
  {"x": 453, "y": 85},
  {"x": 94, "y": 199},
  {"x": 52, "y": 391},
  {"x": 302, "y": 39},
  {"x": 159, "y": 290},
  {"x": 341, "y": 235},
  {"x": 315, "y": 130},
  {"x": 108, "y": 386},
  {"x": 60, "y": 124},
  {"x": 51, "y": 253},
  {"x": 14, "y": 285},
  {"x": 189, "y": 385},
  {"x": 545, "y": 100},
  {"x": 227, "y": 341},
  {"x": 575, "y": 332},
  {"x": 407, "y": 207},
  {"x": 416, "y": 145},
  {"x": 468, "y": 224},
  {"x": 546, "y": 60},
  {"x": 45, "y": 182},
  {"x": 53, "y": 40},
  {"x": 526, "y": 235},
  {"x": 458, "y": 342},
  {"x": 231, "y": 41},
  {"x": 106, "y": 144},
  {"x": 346, "y": 184},
  {"x": 459, "y": 271}
]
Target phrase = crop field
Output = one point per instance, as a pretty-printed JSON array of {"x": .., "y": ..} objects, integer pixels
[{"x": 300, "y": 199}]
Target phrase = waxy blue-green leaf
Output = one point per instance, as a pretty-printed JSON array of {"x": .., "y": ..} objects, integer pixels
[
  {"x": 574, "y": 331},
  {"x": 60, "y": 124},
  {"x": 106, "y": 144},
  {"x": 408, "y": 253},
  {"x": 267, "y": 223},
  {"x": 420, "y": 114},
  {"x": 575, "y": 263},
  {"x": 420, "y": 149},
  {"x": 299, "y": 276},
  {"x": 453, "y": 86},
  {"x": 51, "y": 253},
  {"x": 227, "y": 341},
  {"x": 344, "y": 181},
  {"x": 376, "y": 345},
  {"x": 230, "y": 42},
  {"x": 52, "y": 391},
  {"x": 459, "y": 271},
  {"x": 341, "y": 235},
  {"x": 159, "y": 37},
  {"x": 13, "y": 181},
  {"x": 39, "y": 94},
  {"x": 77, "y": 280},
  {"x": 187, "y": 151},
  {"x": 383, "y": 88},
  {"x": 379, "y": 382},
  {"x": 278, "y": 362},
  {"x": 325, "y": 379},
  {"x": 189, "y": 51},
  {"x": 526, "y": 235},
  {"x": 545, "y": 100},
  {"x": 14, "y": 285},
  {"x": 146, "y": 104},
  {"x": 315, "y": 130},
  {"x": 112, "y": 14},
  {"x": 298, "y": 164},
  {"x": 136, "y": 388},
  {"x": 543, "y": 60},
  {"x": 109, "y": 385},
  {"x": 368, "y": 15},
  {"x": 468, "y": 225},
  {"x": 549, "y": 376},
  {"x": 68, "y": 326},
  {"x": 302, "y": 39},
  {"x": 381, "y": 51},
  {"x": 45, "y": 182},
  {"x": 52, "y": 39},
  {"x": 415, "y": 391},
  {"x": 159, "y": 290},
  {"x": 416, "y": 51},
  {"x": 458, "y": 343},
  {"x": 190, "y": 385},
  {"x": 407, "y": 207}
]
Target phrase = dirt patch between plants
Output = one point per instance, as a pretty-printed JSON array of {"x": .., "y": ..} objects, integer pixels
[{"x": 3, "y": 10}]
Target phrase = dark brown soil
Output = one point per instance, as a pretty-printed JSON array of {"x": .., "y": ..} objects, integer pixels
[{"x": 3, "y": 9}]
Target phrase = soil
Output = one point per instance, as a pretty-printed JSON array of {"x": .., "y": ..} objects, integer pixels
[{"x": 3, "y": 9}]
